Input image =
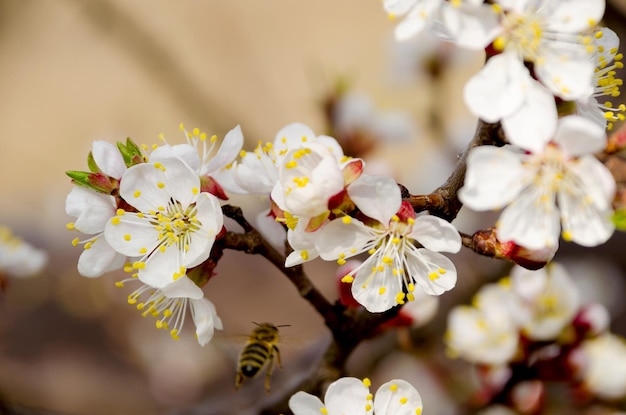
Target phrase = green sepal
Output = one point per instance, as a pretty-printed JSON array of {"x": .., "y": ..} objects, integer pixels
[
  {"x": 99, "y": 182},
  {"x": 619, "y": 219},
  {"x": 79, "y": 177},
  {"x": 91, "y": 163},
  {"x": 130, "y": 152}
]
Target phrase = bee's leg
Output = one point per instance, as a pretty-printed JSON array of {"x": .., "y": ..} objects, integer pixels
[
  {"x": 268, "y": 372},
  {"x": 238, "y": 380},
  {"x": 277, "y": 356}
]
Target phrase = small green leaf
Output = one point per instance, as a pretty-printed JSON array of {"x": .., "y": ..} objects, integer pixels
[
  {"x": 79, "y": 177},
  {"x": 130, "y": 152},
  {"x": 91, "y": 163},
  {"x": 619, "y": 219}
]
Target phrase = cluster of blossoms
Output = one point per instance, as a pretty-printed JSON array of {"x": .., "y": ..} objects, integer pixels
[
  {"x": 352, "y": 396},
  {"x": 157, "y": 217},
  {"x": 17, "y": 257},
  {"x": 532, "y": 322},
  {"x": 334, "y": 211},
  {"x": 546, "y": 58}
]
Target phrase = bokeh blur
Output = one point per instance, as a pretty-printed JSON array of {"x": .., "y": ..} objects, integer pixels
[{"x": 74, "y": 71}]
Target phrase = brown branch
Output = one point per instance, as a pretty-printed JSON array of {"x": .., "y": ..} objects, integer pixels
[
  {"x": 444, "y": 201},
  {"x": 252, "y": 242}
]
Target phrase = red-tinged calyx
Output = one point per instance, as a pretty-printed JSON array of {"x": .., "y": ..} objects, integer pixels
[
  {"x": 209, "y": 185},
  {"x": 352, "y": 171},
  {"x": 99, "y": 182}
]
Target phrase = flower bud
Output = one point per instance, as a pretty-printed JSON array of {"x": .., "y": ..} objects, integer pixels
[{"x": 487, "y": 243}]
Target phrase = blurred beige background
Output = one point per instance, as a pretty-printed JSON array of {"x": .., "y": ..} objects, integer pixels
[{"x": 74, "y": 71}]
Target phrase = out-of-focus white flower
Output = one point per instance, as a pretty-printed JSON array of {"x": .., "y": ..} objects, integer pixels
[
  {"x": 605, "y": 371},
  {"x": 557, "y": 181},
  {"x": 19, "y": 258},
  {"x": 549, "y": 298},
  {"x": 200, "y": 154},
  {"x": 175, "y": 226},
  {"x": 468, "y": 23},
  {"x": 486, "y": 333},
  {"x": 92, "y": 211},
  {"x": 169, "y": 306},
  {"x": 395, "y": 263},
  {"x": 355, "y": 113},
  {"x": 352, "y": 396}
]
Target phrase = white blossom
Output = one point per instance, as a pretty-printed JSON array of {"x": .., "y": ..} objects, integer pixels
[
  {"x": 549, "y": 299},
  {"x": 395, "y": 263},
  {"x": 18, "y": 258},
  {"x": 92, "y": 211},
  {"x": 556, "y": 181},
  {"x": 175, "y": 224},
  {"x": 352, "y": 396},
  {"x": 605, "y": 371},
  {"x": 169, "y": 307},
  {"x": 486, "y": 333}
]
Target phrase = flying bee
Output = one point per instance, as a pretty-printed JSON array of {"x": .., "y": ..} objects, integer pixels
[{"x": 260, "y": 351}]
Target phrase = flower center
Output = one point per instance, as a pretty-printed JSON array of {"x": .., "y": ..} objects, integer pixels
[
  {"x": 522, "y": 33},
  {"x": 175, "y": 225}
]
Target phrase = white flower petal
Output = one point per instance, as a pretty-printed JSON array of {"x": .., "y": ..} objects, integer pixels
[
  {"x": 497, "y": 91},
  {"x": 397, "y": 397},
  {"x": 535, "y": 121},
  {"x": 432, "y": 271},
  {"x": 183, "y": 288},
  {"x": 596, "y": 183},
  {"x": 529, "y": 221},
  {"x": 528, "y": 284},
  {"x": 92, "y": 210},
  {"x": 108, "y": 158},
  {"x": 582, "y": 221},
  {"x": 567, "y": 78},
  {"x": 228, "y": 151},
  {"x": 132, "y": 236},
  {"x": 292, "y": 136},
  {"x": 139, "y": 187},
  {"x": 472, "y": 27},
  {"x": 436, "y": 234},
  {"x": 303, "y": 403},
  {"x": 376, "y": 196},
  {"x": 159, "y": 269},
  {"x": 418, "y": 19},
  {"x": 574, "y": 16},
  {"x": 398, "y": 7},
  {"x": 376, "y": 290},
  {"x": 338, "y": 237},
  {"x": 209, "y": 213},
  {"x": 346, "y": 396},
  {"x": 577, "y": 136},
  {"x": 185, "y": 152},
  {"x": 494, "y": 177},
  {"x": 206, "y": 320},
  {"x": 99, "y": 258}
]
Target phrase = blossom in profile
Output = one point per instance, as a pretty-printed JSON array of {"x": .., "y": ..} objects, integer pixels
[
  {"x": 18, "y": 258},
  {"x": 174, "y": 225},
  {"x": 556, "y": 184},
  {"x": 388, "y": 232},
  {"x": 607, "y": 62},
  {"x": 201, "y": 153},
  {"x": 169, "y": 307},
  {"x": 352, "y": 396}
]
